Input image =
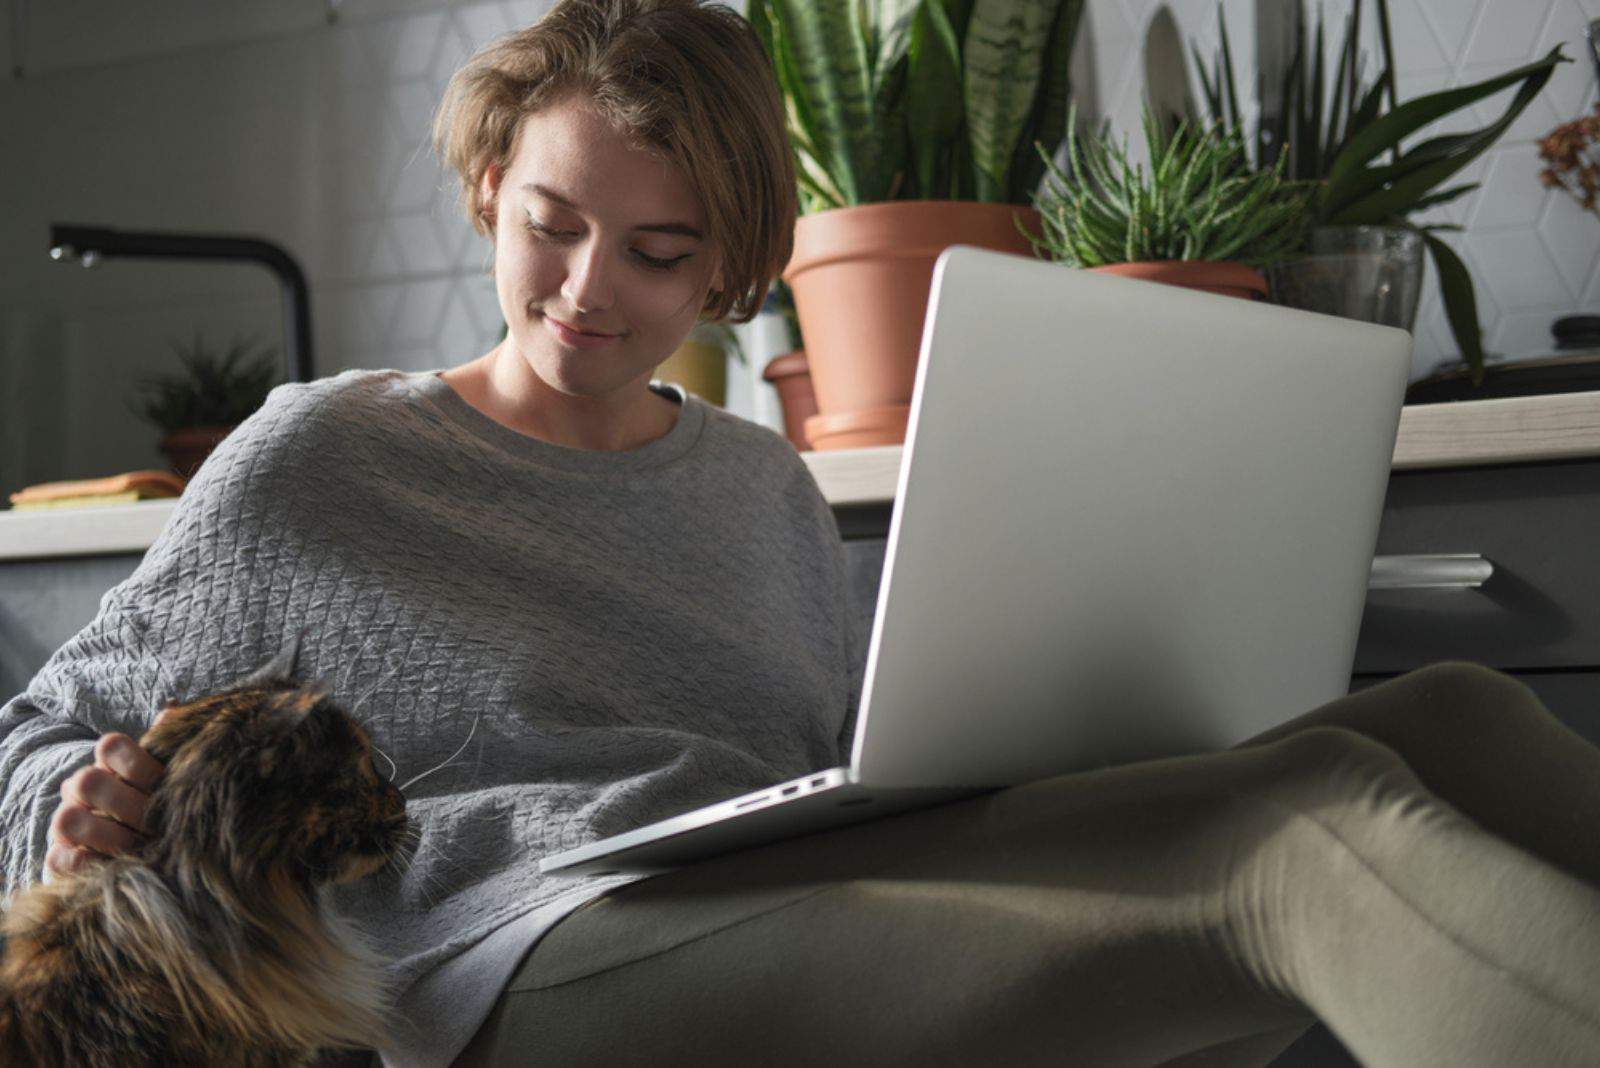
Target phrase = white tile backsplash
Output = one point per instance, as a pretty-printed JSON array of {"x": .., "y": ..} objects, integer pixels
[{"x": 307, "y": 122}]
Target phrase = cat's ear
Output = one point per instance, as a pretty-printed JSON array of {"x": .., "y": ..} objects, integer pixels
[
  {"x": 285, "y": 713},
  {"x": 280, "y": 668}
]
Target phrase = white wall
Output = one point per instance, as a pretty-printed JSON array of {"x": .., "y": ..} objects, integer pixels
[{"x": 305, "y": 122}]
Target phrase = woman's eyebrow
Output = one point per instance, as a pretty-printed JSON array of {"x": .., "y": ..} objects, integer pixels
[{"x": 682, "y": 228}]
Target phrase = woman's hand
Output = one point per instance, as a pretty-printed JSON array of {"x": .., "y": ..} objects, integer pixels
[{"x": 102, "y": 806}]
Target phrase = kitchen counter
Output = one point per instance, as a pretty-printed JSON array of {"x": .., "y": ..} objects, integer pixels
[{"x": 1459, "y": 434}]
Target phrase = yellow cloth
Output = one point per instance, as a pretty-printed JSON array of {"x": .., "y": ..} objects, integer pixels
[
  {"x": 113, "y": 489},
  {"x": 92, "y": 500}
]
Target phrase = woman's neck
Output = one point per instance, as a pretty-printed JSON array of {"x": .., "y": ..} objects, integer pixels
[{"x": 502, "y": 386}]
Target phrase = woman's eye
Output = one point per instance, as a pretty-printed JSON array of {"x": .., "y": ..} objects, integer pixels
[
  {"x": 652, "y": 262},
  {"x": 660, "y": 265}
]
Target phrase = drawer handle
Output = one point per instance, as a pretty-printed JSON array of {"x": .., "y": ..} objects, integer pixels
[{"x": 1437, "y": 571}]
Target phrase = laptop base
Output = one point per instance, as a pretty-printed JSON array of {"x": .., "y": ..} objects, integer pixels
[{"x": 821, "y": 801}]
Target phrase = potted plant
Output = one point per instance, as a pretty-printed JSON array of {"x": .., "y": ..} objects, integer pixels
[
  {"x": 1335, "y": 134},
  {"x": 1571, "y": 155},
  {"x": 913, "y": 125},
  {"x": 1200, "y": 218},
  {"x": 789, "y": 372},
  {"x": 197, "y": 408},
  {"x": 700, "y": 363}
]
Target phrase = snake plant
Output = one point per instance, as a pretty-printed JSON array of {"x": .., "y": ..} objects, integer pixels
[
  {"x": 1335, "y": 132},
  {"x": 1199, "y": 201},
  {"x": 919, "y": 99}
]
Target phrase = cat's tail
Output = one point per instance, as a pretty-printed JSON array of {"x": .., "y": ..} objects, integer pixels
[
  {"x": 26, "y": 968},
  {"x": 11, "y": 1048}
]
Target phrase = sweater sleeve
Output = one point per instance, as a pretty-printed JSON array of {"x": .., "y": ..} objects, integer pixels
[
  {"x": 855, "y": 640},
  {"x": 166, "y": 629}
]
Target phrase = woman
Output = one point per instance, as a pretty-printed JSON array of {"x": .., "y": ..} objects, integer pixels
[{"x": 628, "y": 604}]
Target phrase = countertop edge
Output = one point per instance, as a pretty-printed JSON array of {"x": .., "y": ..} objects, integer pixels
[{"x": 1561, "y": 426}]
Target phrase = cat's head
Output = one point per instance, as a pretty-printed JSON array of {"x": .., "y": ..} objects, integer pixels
[{"x": 271, "y": 779}]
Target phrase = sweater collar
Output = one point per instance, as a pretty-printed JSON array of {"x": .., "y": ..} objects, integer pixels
[{"x": 674, "y": 444}]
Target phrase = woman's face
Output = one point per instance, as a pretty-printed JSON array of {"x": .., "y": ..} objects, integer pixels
[{"x": 602, "y": 238}]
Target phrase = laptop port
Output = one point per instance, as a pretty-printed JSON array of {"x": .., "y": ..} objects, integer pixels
[
  {"x": 787, "y": 790},
  {"x": 817, "y": 782},
  {"x": 752, "y": 801}
]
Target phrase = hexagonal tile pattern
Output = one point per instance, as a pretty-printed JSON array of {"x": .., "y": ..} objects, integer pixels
[
  {"x": 1505, "y": 32},
  {"x": 1517, "y": 268},
  {"x": 1571, "y": 235},
  {"x": 1511, "y": 194},
  {"x": 1524, "y": 331},
  {"x": 458, "y": 333},
  {"x": 479, "y": 24}
]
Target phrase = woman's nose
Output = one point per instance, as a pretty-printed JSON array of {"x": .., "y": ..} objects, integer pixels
[{"x": 588, "y": 286}]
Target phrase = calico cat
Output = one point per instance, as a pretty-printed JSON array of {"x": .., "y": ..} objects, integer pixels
[{"x": 208, "y": 946}]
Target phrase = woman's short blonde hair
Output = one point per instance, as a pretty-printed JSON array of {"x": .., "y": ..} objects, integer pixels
[{"x": 687, "y": 81}]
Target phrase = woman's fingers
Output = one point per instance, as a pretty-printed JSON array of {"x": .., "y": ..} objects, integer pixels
[
  {"x": 103, "y": 806},
  {"x": 97, "y": 788},
  {"x": 123, "y": 755},
  {"x": 65, "y": 859},
  {"x": 74, "y": 824}
]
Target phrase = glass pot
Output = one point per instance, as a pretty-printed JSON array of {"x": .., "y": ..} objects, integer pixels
[{"x": 1372, "y": 273}]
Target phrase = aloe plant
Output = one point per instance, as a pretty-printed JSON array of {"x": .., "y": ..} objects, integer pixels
[
  {"x": 919, "y": 99},
  {"x": 1335, "y": 134},
  {"x": 214, "y": 389},
  {"x": 1199, "y": 201}
]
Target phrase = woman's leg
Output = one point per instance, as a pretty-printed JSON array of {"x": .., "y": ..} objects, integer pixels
[
  {"x": 1127, "y": 916},
  {"x": 1484, "y": 743}
]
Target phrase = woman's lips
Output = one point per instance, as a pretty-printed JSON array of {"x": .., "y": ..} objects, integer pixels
[{"x": 576, "y": 338}]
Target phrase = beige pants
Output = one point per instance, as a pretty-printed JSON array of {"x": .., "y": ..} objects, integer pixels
[{"x": 1417, "y": 865}]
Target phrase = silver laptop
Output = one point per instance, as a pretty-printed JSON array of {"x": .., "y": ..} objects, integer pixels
[{"x": 1132, "y": 521}]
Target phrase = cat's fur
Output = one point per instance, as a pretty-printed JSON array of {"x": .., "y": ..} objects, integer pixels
[{"x": 208, "y": 946}]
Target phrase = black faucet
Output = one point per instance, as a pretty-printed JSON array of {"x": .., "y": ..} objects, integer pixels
[{"x": 88, "y": 244}]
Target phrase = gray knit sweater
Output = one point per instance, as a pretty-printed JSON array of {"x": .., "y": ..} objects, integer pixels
[{"x": 633, "y": 633}]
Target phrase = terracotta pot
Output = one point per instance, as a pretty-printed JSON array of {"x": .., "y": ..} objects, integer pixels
[
  {"x": 861, "y": 277},
  {"x": 790, "y": 374},
  {"x": 187, "y": 449},
  {"x": 1228, "y": 279}
]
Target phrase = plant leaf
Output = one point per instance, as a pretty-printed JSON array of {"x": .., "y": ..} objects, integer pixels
[
  {"x": 1001, "y": 59},
  {"x": 1413, "y": 115},
  {"x": 1376, "y": 193},
  {"x": 1444, "y": 196},
  {"x": 832, "y": 80},
  {"x": 1460, "y": 303},
  {"x": 1048, "y": 124},
  {"x": 934, "y": 112}
]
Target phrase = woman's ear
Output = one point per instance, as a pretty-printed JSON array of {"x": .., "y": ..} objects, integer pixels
[{"x": 489, "y": 196}]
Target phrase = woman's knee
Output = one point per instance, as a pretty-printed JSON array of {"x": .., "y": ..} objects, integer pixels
[
  {"x": 1325, "y": 766},
  {"x": 1454, "y": 700}
]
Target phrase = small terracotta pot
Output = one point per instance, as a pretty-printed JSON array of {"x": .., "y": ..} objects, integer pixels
[
  {"x": 861, "y": 277},
  {"x": 1228, "y": 279},
  {"x": 790, "y": 374},
  {"x": 187, "y": 449}
]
